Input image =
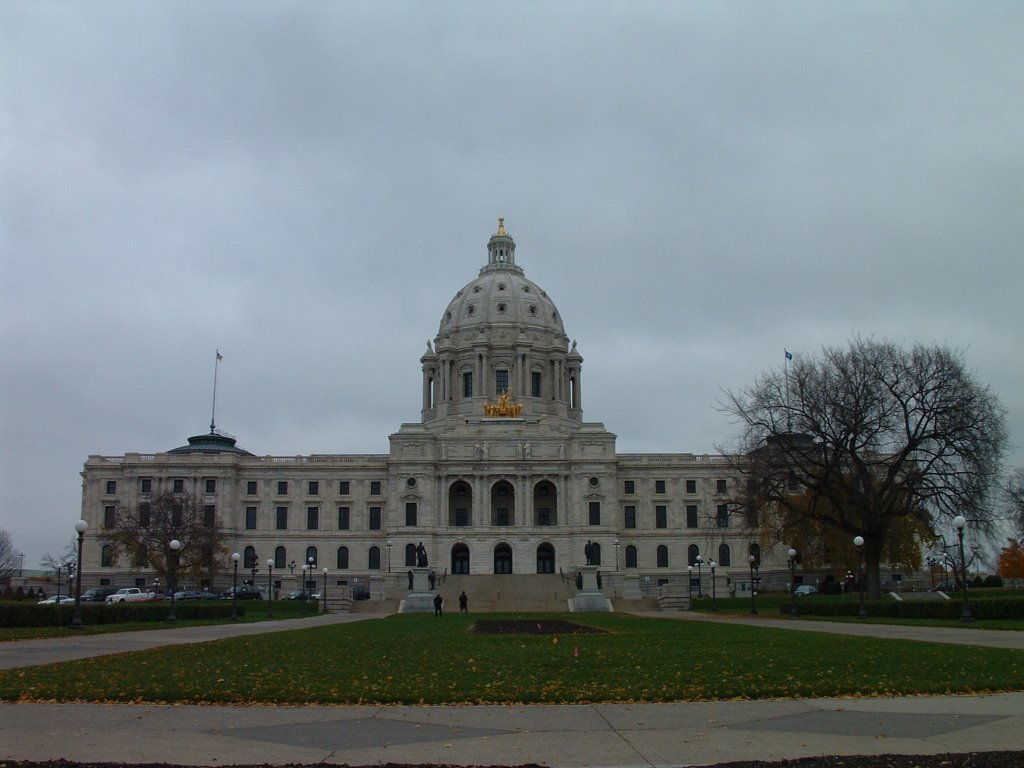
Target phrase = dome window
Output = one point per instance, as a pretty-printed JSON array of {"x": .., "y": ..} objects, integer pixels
[
  {"x": 448, "y": 317},
  {"x": 501, "y": 308},
  {"x": 476, "y": 289},
  {"x": 411, "y": 482},
  {"x": 526, "y": 289},
  {"x": 594, "y": 482},
  {"x": 533, "y": 309},
  {"x": 470, "y": 309},
  {"x": 501, "y": 286}
]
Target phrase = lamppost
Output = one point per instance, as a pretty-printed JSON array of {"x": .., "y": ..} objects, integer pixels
[
  {"x": 617, "y": 545},
  {"x": 960, "y": 522},
  {"x": 700, "y": 582},
  {"x": 156, "y": 587},
  {"x": 255, "y": 567},
  {"x": 306, "y": 571},
  {"x": 76, "y": 619},
  {"x": 714, "y": 602},
  {"x": 324, "y": 591},
  {"x": 753, "y": 584},
  {"x": 689, "y": 584},
  {"x": 793, "y": 610},
  {"x": 389, "y": 545},
  {"x": 234, "y": 587},
  {"x": 858, "y": 542},
  {"x": 270, "y": 587},
  {"x": 175, "y": 546},
  {"x": 291, "y": 568}
]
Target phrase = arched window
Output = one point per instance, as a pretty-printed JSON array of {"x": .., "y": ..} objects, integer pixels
[
  {"x": 545, "y": 558},
  {"x": 631, "y": 556},
  {"x": 724, "y": 556},
  {"x": 106, "y": 556},
  {"x": 503, "y": 502},
  {"x": 342, "y": 558},
  {"x": 410, "y": 555},
  {"x": 311, "y": 554},
  {"x": 460, "y": 503},
  {"x": 662, "y": 556},
  {"x": 755, "y": 550},
  {"x": 503, "y": 559},
  {"x": 280, "y": 557},
  {"x": 374, "y": 559},
  {"x": 545, "y": 504},
  {"x": 460, "y": 559},
  {"x": 595, "y": 553},
  {"x": 691, "y": 554},
  {"x": 249, "y": 558}
]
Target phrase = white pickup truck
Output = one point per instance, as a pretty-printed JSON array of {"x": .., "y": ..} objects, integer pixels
[{"x": 129, "y": 595}]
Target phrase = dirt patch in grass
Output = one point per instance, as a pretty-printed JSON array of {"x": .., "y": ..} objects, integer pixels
[{"x": 532, "y": 627}]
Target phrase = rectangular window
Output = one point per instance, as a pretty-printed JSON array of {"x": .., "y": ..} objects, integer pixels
[
  {"x": 691, "y": 486},
  {"x": 467, "y": 384},
  {"x": 595, "y": 513},
  {"x": 282, "y": 518},
  {"x": 343, "y": 521},
  {"x": 209, "y": 515},
  {"x": 145, "y": 485},
  {"x": 314, "y": 488},
  {"x": 629, "y": 487},
  {"x": 659, "y": 486},
  {"x": 722, "y": 516},
  {"x": 210, "y": 485},
  {"x": 374, "y": 518},
  {"x": 178, "y": 485},
  {"x": 535, "y": 381},
  {"x": 691, "y": 515},
  {"x": 500, "y": 382},
  {"x": 375, "y": 488},
  {"x": 111, "y": 487},
  {"x": 343, "y": 487},
  {"x": 144, "y": 515},
  {"x": 720, "y": 486},
  {"x": 250, "y": 488},
  {"x": 629, "y": 517},
  {"x": 502, "y": 517},
  {"x": 661, "y": 516},
  {"x": 282, "y": 487},
  {"x": 543, "y": 516},
  {"x": 250, "y": 518},
  {"x": 410, "y": 513},
  {"x": 312, "y": 518}
]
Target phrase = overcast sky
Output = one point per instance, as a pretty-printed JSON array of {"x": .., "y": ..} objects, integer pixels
[{"x": 306, "y": 185}]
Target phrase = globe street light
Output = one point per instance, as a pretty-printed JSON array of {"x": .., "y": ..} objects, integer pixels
[
  {"x": 689, "y": 584},
  {"x": 270, "y": 587},
  {"x": 960, "y": 522},
  {"x": 617, "y": 545},
  {"x": 793, "y": 610},
  {"x": 714, "y": 601},
  {"x": 858, "y": 542},
  {"x": 389, "y": 545},
  {"x": 76, "y": 619},
  {"x": 324, "y": 591},
  {"x": 700, "y": 581},
  {"x": 306, "y": 571},
  {"x": 175, "y": 546},
  {"x": 753, "y": 584},
  {"x": 234, "y": 587}
]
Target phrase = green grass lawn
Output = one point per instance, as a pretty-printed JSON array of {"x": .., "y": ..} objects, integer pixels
[{"x": 417, "y": 659}]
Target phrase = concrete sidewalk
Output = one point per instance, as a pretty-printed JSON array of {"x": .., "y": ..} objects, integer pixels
[{"x": 570, "y": 736}]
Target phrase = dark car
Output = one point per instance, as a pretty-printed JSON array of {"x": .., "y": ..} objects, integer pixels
[
  {"x": 97, "y": 594},
  {"x": 805, "y": 590},
  {"x": 244, "y": 592},
  {"x": 298, "y": 594}
]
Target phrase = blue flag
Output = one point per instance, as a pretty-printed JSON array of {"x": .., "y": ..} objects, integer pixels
[{"x": 789, "y": 355}]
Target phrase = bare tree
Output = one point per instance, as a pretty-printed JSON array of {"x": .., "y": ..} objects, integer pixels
[
  {"x": 10, "y": 558},
  {"x": 65, "y": 561},
  {"x": 861, "y": 437},
  {"x": 145, "y": 535},
  {"x": 1013, "y": 491}
]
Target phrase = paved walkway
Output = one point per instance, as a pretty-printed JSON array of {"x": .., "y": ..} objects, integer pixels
[{"x": 603, "y": 736}]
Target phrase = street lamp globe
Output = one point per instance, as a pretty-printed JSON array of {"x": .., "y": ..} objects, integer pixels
[
  {"x": 959, "y": 522},
  {"x": 235, "y": 557},
  {"x": 81, "y": 526},
  {"x": 858, "y": 541}
]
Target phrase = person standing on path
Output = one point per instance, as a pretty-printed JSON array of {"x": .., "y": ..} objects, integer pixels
[
  {"x": 463, "y": 603},
  {"x": 438, "y": 604}
]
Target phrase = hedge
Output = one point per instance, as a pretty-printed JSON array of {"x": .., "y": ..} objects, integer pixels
[
  {"x": 987, "y": 608},
  {"x": 20, "y": 614}
]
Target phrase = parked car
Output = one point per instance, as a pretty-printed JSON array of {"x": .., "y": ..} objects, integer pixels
[
  {"x": 243, "y": 592},
  {"x": 54, "y": 600},
  {"x": 97, "y": 594},
  {"x": 129, "y": 595},
  {"x": 193, "y": 594},
  {"x": 297, "y": 594},
  {"x": 803, "y": 590},
  {"x": 946, "y": 586}
]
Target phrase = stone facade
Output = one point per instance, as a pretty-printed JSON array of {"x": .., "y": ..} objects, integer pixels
[{"x": 489, "y": 484}]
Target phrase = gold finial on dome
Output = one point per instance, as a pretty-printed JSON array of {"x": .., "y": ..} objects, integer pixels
[{"x": 501, "y": 226}]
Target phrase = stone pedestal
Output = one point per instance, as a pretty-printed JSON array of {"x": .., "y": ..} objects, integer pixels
[
  {"x": 590, "y": 597},
  {"x": 419, "y": 599},
  {"x": 631, "y": 587}
]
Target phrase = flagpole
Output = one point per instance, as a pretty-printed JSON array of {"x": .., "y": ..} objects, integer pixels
[
  {"x": 213, "y": 414},
  {"x": 789, "y": 413}
]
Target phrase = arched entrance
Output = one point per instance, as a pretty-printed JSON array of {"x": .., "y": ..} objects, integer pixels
[
  {"x": 460, "y": 503},
  {"x": 545, "y": 503},
  {"x": 545, "y": 558},
  {"x": 503, "y": 503},
  {"x": 460, "y": 559},
  {"x": 503, "y": 559}
]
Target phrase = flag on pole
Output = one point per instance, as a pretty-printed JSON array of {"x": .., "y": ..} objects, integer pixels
[
  {"x": 789, "y": 355},
  {"x": 221, "y": 357}
]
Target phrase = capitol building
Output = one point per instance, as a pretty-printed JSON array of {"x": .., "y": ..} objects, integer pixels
[{"x": 501, "y": 476}]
